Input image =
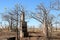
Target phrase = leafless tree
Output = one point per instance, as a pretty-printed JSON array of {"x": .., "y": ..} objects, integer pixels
[
  {"x": 43, "y": 16},
  {"x": 13, "y": 17}
]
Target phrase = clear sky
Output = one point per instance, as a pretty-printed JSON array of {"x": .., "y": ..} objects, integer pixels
[{"x": 29, "y": 5}]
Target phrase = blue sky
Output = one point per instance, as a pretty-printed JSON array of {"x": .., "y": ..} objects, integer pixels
[{"x": 29, "y": 5}]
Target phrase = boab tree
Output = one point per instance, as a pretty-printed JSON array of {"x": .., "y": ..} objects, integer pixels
[{"x": 44, "y": 17}]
